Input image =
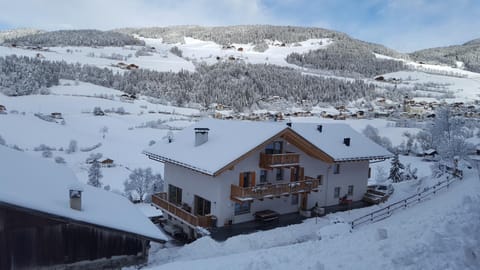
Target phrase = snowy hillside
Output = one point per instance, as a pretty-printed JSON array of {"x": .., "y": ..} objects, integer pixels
[
  {"x": 420, "y": 80},
  {"x": 128, "y": 127}
]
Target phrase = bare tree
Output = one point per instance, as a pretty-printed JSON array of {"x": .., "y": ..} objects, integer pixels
[{"x": 142, "y": 182}]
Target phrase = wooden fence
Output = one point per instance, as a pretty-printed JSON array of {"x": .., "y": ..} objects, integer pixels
[{"x": 387, "y": 211}]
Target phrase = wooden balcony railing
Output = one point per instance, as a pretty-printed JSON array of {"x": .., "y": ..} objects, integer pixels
[
  {"x": 160, "y": 200},
  {"x": 261, "y": 192},
  {"x": 278, "y": 160}
]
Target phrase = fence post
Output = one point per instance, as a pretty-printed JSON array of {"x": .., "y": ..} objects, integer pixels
[{"x": 405, "y": 203}]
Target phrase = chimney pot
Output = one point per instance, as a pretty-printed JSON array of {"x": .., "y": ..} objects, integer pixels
[
  {"x": 201, "y": 136},
  {"x": 319, "y": 128},
  {"x": 76, "y": 199},
  {"x": 289, "y": 124},
  {"x": 346, "y": 141}
]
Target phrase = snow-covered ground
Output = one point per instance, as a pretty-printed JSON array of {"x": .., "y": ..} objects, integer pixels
[
  {"x": 124, "y": 141},
  {"x": 161, "y": 59},
  {"x": 464, "y": 89},
  {"x": 440, "y": 233}
]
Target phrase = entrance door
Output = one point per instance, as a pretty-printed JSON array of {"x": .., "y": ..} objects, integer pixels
[{"x": 304, "y": 201}]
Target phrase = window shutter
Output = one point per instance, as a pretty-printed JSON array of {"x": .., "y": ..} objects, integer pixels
[
  {"x": 369, "y": 172},
  {"x": 240, "y": 182},
  {"x": 292, "y": 174},
  {"x": 252, "y": 178},
  {"x": 301, "y": 174}
]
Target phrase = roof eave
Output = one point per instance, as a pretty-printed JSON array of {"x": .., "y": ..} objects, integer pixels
[
  {"x": 172, "y": 161},
  {"x": 363, "y": 158},
  {"x": 80, "y": 222}
]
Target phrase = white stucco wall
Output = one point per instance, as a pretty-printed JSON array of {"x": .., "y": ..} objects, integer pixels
[{"x": 217, "y": 189}]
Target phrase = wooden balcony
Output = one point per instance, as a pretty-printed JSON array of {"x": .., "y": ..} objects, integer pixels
[
  {"x": 160, "y": 200},
  {"x": 279, "y": 160},
  {"x": 270, "y": 191}
]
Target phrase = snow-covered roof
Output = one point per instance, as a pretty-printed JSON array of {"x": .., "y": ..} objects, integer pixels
[
  {"x": 149, "y": 210},
  {"x": 331, "y": 141},
  {"x": 43, "y": 186},
  {"x": 230, "y": 140},
  {"x": 227, "y": 141}
]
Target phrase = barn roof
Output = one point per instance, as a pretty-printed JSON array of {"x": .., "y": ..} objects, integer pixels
[{"x": 43, "y": 186}]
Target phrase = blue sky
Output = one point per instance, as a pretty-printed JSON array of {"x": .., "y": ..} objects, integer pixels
[{"x": 405, "y": 25}]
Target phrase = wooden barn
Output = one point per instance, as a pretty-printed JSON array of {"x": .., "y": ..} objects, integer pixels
[{"x": 50, "y": 220}]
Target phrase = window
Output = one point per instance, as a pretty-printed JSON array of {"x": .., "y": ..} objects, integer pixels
[
  {"x": 242, "y": 208},
  {"x": 336, "y": 169},
  {"x": 263, "y": 176},
  {"x": 279, "y": 174},
  {"x": 174, "y": 194},
  {"x": 350, "y": 190},
  {"x": 369, "y": 172},
  {"x": 274, "y": 148},
  {"x": 294, "y": 199},
  {"x": 247, "y": 179},
  {"x": 336, "y": 192},
  {"x": 202, "y": 206},
  {"x": 320, "y": 179}
]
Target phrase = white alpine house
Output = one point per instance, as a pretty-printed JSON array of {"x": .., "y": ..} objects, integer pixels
[{"x": 225, "y": 172}]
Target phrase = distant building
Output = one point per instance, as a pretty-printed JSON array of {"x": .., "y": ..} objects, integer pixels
[
  {"x": 107, "y": 163},
  {"x": 3, "y": 108},
  {"x": 56, "y": 115},
  {"x": 132, "y": 67}
]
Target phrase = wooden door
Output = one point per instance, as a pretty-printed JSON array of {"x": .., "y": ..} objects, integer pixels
[{"x": 304, "y": 201}]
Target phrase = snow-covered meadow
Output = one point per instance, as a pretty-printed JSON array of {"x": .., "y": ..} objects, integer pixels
[{"x": 125, "y": 138}]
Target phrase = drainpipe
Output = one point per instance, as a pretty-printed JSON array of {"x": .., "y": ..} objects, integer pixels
[{"x": 326, "y": 184}]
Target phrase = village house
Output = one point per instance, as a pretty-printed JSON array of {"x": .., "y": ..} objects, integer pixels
[
  {"x": 49, "y": 220},
  {"x": 56, "y": 115},
  {"x": 221, "y": 172},
  {"x": 108, "y": 163}
]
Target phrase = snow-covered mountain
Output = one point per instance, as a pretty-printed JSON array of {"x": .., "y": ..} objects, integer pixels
[{"x": 191, "y": 66}]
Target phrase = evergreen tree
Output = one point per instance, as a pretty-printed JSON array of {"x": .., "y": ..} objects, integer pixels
[
  {"x": 396, "y": 174},
  {"x": 95, "y": 174},
  {"x": 2, "y": 141}
]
